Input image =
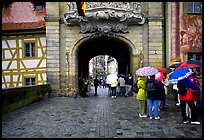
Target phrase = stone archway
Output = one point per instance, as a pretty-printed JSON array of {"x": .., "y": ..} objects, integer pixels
[{"x": 119, "y": 47}]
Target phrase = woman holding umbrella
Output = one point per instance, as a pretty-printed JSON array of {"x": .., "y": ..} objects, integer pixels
[
  {"x": 185, "y": 87},
  {"x": 152, "y": 88},
  {"x": 142, "y": 96}
]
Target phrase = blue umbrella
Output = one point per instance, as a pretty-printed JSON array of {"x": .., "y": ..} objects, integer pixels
[{"x": 179, "y": 74}]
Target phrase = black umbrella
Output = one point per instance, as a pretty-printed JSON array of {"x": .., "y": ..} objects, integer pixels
[
  {"x": 194, "y": 62},
  {"x": 175, "y": 65}
]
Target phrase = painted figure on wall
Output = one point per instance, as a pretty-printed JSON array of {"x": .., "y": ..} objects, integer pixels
[{"x": 191, "y": 33}]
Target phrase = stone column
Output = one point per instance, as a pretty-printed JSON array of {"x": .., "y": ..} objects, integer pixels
[
  {"x": 53, "y": 46},
  {"x": 155, "y": 38},
  {"x": 175, "y": 38}
]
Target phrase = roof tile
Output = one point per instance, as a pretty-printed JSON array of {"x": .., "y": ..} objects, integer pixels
[{"x": 21, "y": 15}]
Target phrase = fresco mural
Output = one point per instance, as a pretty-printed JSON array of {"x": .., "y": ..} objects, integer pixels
[{"x": 191, "y": 33}]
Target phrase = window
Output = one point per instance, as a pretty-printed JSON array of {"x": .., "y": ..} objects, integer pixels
[
  {"x": 29, "y": 81},
  {"x": 39, "y": 7},
  {"x": 198, "y": 57},
  {"x": 194, "y": 7},
  {"x": 29, "y": 50}
]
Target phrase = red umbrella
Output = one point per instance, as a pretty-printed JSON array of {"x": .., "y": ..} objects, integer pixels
[
  {"x": 187, "y": 65},
  {"x": 165, "y": 70}
]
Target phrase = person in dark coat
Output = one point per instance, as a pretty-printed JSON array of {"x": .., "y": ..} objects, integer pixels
[
  {"x": 129, "y": 84},
  {"x": 183, "y": 101},
  {"x": 96, "y": 84},
  {"x": 154, "y": 96},
  {"x": 82, "y": 87}
]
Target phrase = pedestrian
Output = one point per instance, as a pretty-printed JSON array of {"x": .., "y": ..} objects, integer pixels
[
  {"x": 161, "y": 96},
  {"x": 121, "y": 83},
  {"x": 185, "y": 87},
  {"x": 96, "y": 84},
  {"x": 195, "y": 92},
  {"x": 86, "y": 82},
  {"x": 176, "y": 97},
  {"x": 113, "y": 85},
  {"x": 166, "y": 84},
  {"x": 153, "y": 96},
  {"x": 129, "y": 84},
  {"x": 82, "y": 91},
  {"x": 142, "y": 96},
  {"x": 104, "y": 83}
]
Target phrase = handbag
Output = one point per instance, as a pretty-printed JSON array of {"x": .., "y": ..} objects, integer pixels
[{"x": 188, "y": 97}]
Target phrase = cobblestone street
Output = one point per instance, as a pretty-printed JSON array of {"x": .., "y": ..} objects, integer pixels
[{"x": 95, "y": 117}]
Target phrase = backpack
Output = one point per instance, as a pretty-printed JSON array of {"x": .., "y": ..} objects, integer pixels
[
  {"x": 150, "y": 86},
  {"x": 181, "y": 87},
  {"x": 135, "y": 88}
]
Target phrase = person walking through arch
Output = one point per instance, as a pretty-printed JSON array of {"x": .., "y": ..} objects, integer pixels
[
  {"x": 113, "y": 85},
  {"x": 96, "y": 84},
  {"x": 129, "y": 84},
  {"x": 121, "y": 83}
]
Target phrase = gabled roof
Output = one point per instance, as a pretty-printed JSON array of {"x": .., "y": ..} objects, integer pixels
[{"x": 21, "y": 16}]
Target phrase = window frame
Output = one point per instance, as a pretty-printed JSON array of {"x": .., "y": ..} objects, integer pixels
[
  {"x": 31, "y": 49},
  {"x": 193, "y": 10},
  {"x": 30, "y": 81},
  {"x": 194, "y": 57},
  {"x": 37, "y": 5}
]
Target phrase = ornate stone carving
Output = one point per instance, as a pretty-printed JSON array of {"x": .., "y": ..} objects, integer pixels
[{"x": 105, "y": 17}]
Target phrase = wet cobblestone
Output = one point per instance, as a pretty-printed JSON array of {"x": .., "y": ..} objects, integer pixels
[{"x": 95, "y": 117}]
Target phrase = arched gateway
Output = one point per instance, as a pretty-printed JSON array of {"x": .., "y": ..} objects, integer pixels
[{"x": 123, "y": 30}]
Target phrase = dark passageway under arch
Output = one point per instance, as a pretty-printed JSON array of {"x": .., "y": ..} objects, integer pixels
[{"x": 103, "y": 46}]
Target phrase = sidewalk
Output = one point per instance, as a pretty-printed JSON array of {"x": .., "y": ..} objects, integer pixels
[{"x": 95, "y": 117}]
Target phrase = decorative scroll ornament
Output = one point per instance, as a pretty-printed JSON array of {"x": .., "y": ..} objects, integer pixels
[{"x": 105, "y": 17}]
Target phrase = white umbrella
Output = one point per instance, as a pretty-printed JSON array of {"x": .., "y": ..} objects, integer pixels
[{"x": 111, "y": 78}]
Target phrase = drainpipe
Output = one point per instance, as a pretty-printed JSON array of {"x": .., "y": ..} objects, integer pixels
[{"x": 164, "y": 34}]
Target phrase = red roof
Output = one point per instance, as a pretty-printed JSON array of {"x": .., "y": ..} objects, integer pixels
[{"x": 21, "y": 15}]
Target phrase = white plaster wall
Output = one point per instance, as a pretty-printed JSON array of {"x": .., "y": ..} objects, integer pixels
[
  {"x": 43, "y": 63},
  {"x": 13, "y": 65},
  {"x": 8, "y": 54},
  {"x": 12, "y": 43},
  {"x": 15, "y": 78},
  {"x": 43, "y": 41},
  {"x": 4, "y": 45},
  {"x": 4, "y": 64},
  {"x": 31, "y": 63}
]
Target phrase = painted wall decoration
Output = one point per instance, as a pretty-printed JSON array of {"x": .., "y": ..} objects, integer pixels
[{"x": 191, "y": 33}]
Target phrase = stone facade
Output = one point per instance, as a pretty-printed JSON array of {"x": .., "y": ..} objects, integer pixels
[{"x": 64, "y": 40}]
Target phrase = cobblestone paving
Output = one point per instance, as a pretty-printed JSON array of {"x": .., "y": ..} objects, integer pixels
[{"x": 94, "y": 117}]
